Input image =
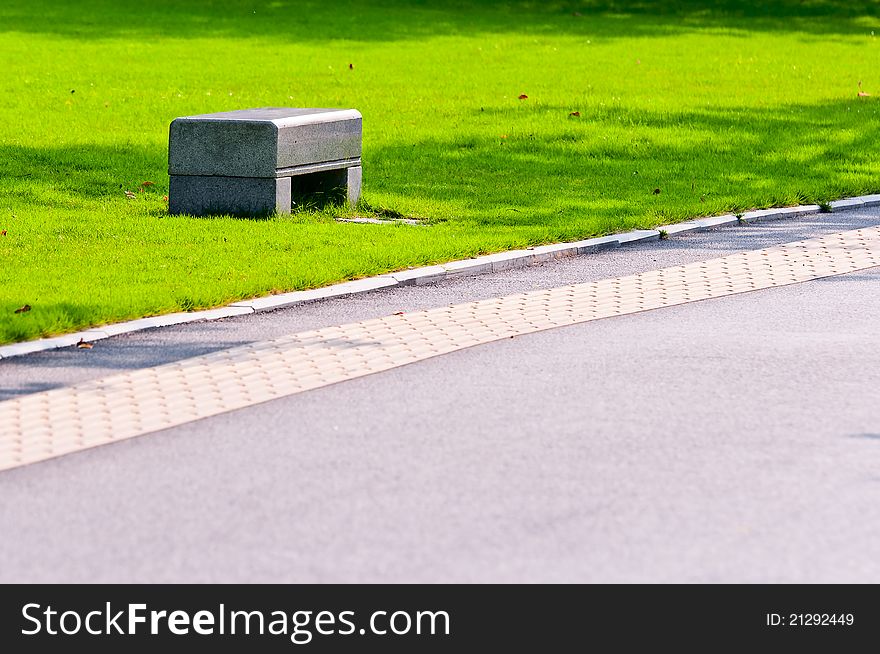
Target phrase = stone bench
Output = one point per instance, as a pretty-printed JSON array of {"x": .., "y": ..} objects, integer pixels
[{"x": 259, "y": 161}]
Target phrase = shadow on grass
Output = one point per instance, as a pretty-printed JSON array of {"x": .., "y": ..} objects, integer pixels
[
  {"x": 69, "y": 175},
  {"x": 389, "y": 20},
  {"x": 612, "y": 161}
]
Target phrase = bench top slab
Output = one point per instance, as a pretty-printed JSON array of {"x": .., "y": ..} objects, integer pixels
[
  {"x": 264, "y": 142},
  {"x": 281, "y": 116}
]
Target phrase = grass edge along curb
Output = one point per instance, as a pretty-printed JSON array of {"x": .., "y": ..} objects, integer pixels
[{"x": 429, "y": 274}]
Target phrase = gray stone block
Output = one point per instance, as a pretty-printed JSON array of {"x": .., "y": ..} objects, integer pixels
[
  {"x": 259, "y": 161},
  {"x": 272, "y": 142},
  {"x": 199, "y": 195}
]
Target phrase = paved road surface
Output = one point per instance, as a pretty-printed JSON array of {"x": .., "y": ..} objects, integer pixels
[{"x": 735, "y": 439}]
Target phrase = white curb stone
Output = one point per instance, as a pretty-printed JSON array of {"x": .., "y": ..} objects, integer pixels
[
  {"x": 699, "y": 225},
  {"x": 419, "y": 276},
  {"x": 92, "y": 335},
  {"x": 757, "y": 215},
  {"x": 716, "y": 221},
  {"x": 467, "y": 267},
  {"x": 847, "y": 203},
  {"x": 681, "y": 228},
  {"x": 130, "y": 326},
  {"x": 509, "y": 260},
  {"x": 298, "y": 297},
  {"x": 17, "y": 349},
  {"x": 554, "y": 251},
  {"x": 596, "y": 244},
  {"x": 173, "y": 319},
  {"x": 802, "y": 210},
  {"x": 638, "y": 236},
  {"x": 780, "y": 212}
]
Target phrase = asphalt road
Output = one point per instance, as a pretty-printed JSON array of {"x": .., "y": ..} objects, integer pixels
[{"x": 736, "y": 439}]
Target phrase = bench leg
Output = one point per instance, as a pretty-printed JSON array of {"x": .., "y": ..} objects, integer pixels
[
  {"x": 200, "y": 195},
  {"x": 353, "y": 184}
]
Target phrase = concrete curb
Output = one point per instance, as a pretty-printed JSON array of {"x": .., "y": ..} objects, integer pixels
[{"x": 430, "y": 274}]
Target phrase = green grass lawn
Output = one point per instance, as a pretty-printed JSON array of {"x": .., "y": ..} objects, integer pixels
[{"x": 721, "y": 107}]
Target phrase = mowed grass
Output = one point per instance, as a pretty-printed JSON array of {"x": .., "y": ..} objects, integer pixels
[{"x": 720, "y": 106}]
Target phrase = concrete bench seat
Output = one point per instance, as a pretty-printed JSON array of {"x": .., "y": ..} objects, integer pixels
[{"x": 259, "y": 161}]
